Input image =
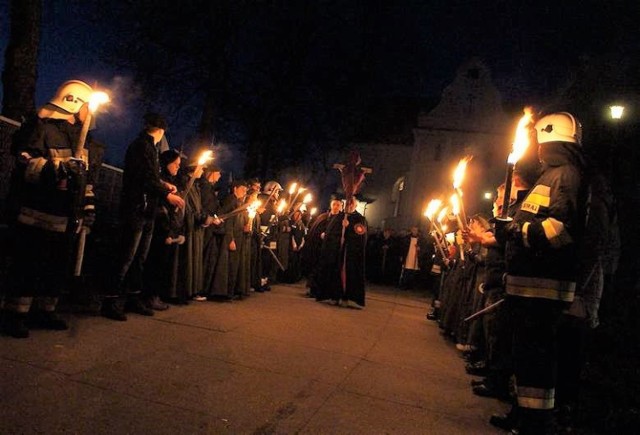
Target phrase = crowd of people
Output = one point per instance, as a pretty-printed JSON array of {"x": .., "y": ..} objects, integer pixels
[
  {"x": 533, "y": 274},
  {"x": 182, "y": 239}
]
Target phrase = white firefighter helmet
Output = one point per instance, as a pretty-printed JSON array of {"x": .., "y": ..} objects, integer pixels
[
  {"x": 270, "y": 186},
  {"x": 71, "y": 95},
  {"x": 559, "y": 127}
]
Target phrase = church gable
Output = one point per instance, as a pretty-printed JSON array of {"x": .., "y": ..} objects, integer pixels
[{"x": 470, "y": 103}]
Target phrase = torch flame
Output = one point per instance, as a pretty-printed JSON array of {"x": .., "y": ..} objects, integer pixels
[
  {"x": 458, "y": 174},
  {"x": 455, "y": 205},
  {"x": 521, "y": 141},
  {"x": 301, "y": 189},
  {"x": 432, "y": 208},
  {"x": 281, "y": 205},
  {"x": 313, "y": 211},
  {"x": 292, "y": 188},
  {"x": 443, "y": 213},
  {"x": 253, "y": 208},
  {"x": 451, "y": 238},
  {"x": 96, "y": 99},
  {"x": 307, "y": 198},
  {"x": 205, "y": 157}
]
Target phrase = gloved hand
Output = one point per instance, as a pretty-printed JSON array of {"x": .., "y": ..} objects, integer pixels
[
  {"x": 507, "y": 230},
  {"x": 75, "y": 166}
]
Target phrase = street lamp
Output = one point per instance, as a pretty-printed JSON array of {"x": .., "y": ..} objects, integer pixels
[
  {"x": 616, "y": 112},
  {"x": 488, "y": 196}
]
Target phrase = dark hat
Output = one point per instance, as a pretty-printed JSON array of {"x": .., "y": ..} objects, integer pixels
[
  {"x": 168, "y": 156},
  {"x": 238, "y": 183},
  {"x": 155, "y": 120},
  {"x": 212, "y": 167}
]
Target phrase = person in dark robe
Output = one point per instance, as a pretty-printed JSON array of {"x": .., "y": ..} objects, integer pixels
[
  {"x": 191, "y": 275},
  {"x": 269, "y": 229},
  {"x": 247, "y": 253},
  {"x": 297, "y": 242},
  {"x": 342, "y": 267},
  {"x": 162, "y": 265},
  {"x": 227, "y": 275},
  {"x": 385, "y": 263},
  {"x": 312, "y": 252},
  {"x": 255, "y": 255},
  {"x": 214, "y": 230},
  {"x": 283, "y": 246}
]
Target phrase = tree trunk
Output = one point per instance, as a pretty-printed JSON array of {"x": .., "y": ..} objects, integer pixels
[{"x": 20, "y": 70}]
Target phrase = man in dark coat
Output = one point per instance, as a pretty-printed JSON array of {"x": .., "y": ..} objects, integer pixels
[{"x": 141, "y": 189}]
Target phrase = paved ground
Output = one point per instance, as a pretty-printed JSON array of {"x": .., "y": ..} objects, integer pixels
[{"x": 273, "y": 363}]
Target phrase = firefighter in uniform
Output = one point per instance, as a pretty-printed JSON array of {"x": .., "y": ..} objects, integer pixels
[
  {"x": 541, "y": 255},
  {"x": 46, "y": 209}
]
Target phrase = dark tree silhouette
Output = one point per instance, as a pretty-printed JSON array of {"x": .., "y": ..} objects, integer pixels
[{"x": 20, "y": 68}]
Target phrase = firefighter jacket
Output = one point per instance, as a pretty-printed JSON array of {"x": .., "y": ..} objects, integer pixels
[
  {"x": 48, "y": 184},
  {"x": 141, "y": 184},
  {"x": 541, "y": 253}
]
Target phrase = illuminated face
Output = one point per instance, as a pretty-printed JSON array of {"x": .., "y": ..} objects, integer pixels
[
  {"x": 336, "y": 206},
  {"x": 240, "y": 191},
  {"x": 173, "y": 167},
  {"x": 351, "y": 206},
  {"x": 214, "y": 177}
]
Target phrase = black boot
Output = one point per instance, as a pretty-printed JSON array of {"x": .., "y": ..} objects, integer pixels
[
  {"x": 112, "y": 309},
  {"x": 14, "y": 324},
  {"x": 507, "y": 422},
  {"x": 135, "y": 305},
  {"x": 434, "y": 314}
]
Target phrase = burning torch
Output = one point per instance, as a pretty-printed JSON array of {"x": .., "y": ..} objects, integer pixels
[
  {"x": 458, "y": 177},
  {"x": 281, "y": 206},
  {"x": 455, "y": 207},
  {"x": 300, "y": 190},
  {"x": 95, "y": 100},
  {"x": 520, "y": 145},
  {"x": 292, "y": 189},
  {"x": 432, "y": 208},
  {"x": 202, "y": 160}
]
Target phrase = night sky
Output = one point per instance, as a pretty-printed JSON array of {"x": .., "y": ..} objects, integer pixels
[{"x": 403, "y": 49}]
